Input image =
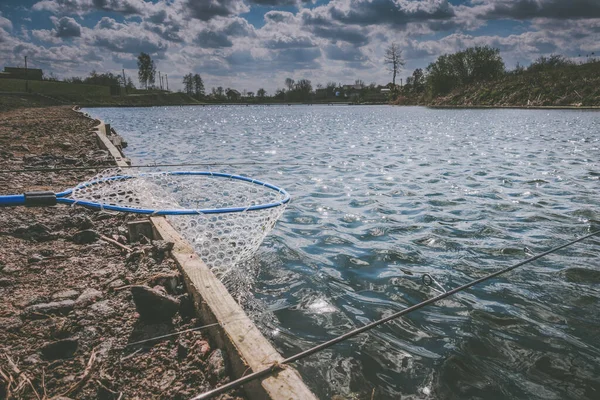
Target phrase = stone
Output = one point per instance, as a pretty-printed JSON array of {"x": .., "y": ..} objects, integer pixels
[
  {"x": 102, "y": 309},
  {"x": 88, "y": 297},
  {"x": 37, "y": 231},
  {"x": 160, "y": 247},
  {"x": 40, "y": 310},
  {"x": 5, "y": 282},
  {"x": 116, "y": 284},
  {"x": 216, "y": 365},
  {"x": 85, "y": 237},
  {"x": 65, "y": 295},
  {"x": 60, "y": 349},
  {"x": 152, "y": 304},
  {"x": 82, "y": 222},
  {"x": 35, "y": 258},
  {"x": 201, "y": 347},
  {"x": 9, "y": 269}
]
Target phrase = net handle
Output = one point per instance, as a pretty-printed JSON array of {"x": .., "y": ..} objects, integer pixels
[{"x": 22, "y": 199}]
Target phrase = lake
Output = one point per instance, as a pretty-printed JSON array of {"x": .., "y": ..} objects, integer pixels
[{"x": 382, "y": 195}]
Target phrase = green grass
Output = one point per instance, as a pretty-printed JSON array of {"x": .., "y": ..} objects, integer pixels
[
  {"x": 565, "y": 86},
  {"x": 50, "y": 88},
  {"x": 43, "y": 93}
]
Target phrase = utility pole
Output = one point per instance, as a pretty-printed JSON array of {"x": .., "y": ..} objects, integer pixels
[
  {"x": 26, "y": 77},
  {"x": 167, "y": 79},
  {"x": 159, "y": 80},
  {"x": 124, "y": 81}
]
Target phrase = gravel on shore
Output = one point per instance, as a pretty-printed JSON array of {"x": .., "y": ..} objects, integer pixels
[{"x": 68, "y": 317}]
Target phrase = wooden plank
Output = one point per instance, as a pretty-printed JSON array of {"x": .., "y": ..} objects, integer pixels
[
  {"x": 139, "y": 229},
  {"x": 247, "y": 348},
  {"x": 105, "y": 143}
]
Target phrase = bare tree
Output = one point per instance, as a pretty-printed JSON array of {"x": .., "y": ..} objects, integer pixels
[
  {"x": 289, "y": 82},
  {"x": 394, "y": 61}
]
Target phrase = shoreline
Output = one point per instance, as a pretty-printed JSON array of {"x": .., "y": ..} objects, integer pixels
[
  {"x": 462, "y": 107},
  {"x": 69, "y": 322},
  {"x": 475, "y": 107},
  {"x": 246, "y": 348}
]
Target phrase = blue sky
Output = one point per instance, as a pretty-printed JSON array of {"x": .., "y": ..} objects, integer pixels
[{"x": 249, "y": 44}]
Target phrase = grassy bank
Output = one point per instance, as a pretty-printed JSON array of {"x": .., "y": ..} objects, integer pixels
[
  {"x": 9, "y": 101},
  {"x": 564, "y": 86}
]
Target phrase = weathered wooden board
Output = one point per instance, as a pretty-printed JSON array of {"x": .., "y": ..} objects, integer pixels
[{"x": 248, "y": 349}]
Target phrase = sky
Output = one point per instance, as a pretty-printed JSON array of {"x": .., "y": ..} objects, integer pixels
[{"x": 252, "y": 44}]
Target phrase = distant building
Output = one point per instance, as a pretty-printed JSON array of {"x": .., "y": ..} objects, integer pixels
[
  {"x": 353, "y": 87},
  {"x": 32, "y": 74}
]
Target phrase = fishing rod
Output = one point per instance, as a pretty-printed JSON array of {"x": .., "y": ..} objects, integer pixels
[{"x": 278, "y": 366}]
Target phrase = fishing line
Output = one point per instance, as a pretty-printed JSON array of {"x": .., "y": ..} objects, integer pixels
[{"x": 281, "y": 365}]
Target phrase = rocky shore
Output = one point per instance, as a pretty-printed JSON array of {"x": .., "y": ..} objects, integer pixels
[{"x": 77, "y": 295}]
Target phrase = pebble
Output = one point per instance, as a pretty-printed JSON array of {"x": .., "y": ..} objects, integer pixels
[
  {"x": 216, "y": 365},
  {"x": 88, "y": 297},
  {"x": 57, "y": 307},
  {"x": 5, "y": 282},
  {"x": 65, "y": 294},
  {"x": 35, "y": 258},
  {"x": 152, "y": 304},
  {"x": 116, "y": 284},
  {"x": 9, "y": 269},
  {"x": 37, "y": 231},
  {"x": 161, "y": 247},
  {"x": 102, "y": 309},
  {"x": 86, "y": 236},
  {"x": 202, "y": 347}
]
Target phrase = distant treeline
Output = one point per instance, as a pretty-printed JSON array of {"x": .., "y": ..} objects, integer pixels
[
  {"x": 481, "y": 72},
  {"x": 107, "y": 79}
]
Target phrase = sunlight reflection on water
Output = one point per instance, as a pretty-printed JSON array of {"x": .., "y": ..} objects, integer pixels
[{"x": 382, "y": 195}]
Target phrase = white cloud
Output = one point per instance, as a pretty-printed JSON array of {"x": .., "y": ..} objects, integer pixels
[
  {"x": 5, "y": 23},
  {"x": 342, "y": 40}
]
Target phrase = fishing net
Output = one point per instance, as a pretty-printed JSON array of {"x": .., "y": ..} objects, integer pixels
[{"x": 225, "y": 217}]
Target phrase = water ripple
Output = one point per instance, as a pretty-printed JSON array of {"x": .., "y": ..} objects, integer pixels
[{"x": 385, "y": 194}]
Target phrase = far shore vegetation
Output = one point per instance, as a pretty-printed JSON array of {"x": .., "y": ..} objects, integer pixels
[{"x": 475, "y": 77}]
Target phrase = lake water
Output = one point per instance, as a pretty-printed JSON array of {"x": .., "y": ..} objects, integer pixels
[{"x": 382, "y": 195}]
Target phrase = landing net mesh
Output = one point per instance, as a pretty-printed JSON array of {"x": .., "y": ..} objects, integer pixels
[{"x": 222, "y": 240}]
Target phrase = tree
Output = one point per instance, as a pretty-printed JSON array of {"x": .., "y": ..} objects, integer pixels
[
  {"x": 130, "y": 84},
  {"x": 418, "y": 80},
  {"x": 394, "y": 61},
  {"x": 359, "y": 82},
  {"x": 548, "y": 63},
  {"x": 198, "y": 85},
  {"x": 146, "y": 70},
  {"x": 280, "y": 94},
  {"x": 261, "y": 93},
  {"x": 188, "y": 84},
  {"x": 472, "y": 65},
  {"x": 289, "y": 82}
]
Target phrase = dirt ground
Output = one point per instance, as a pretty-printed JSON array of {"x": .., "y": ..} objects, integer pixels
[{"x": 68, "y": 321}]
